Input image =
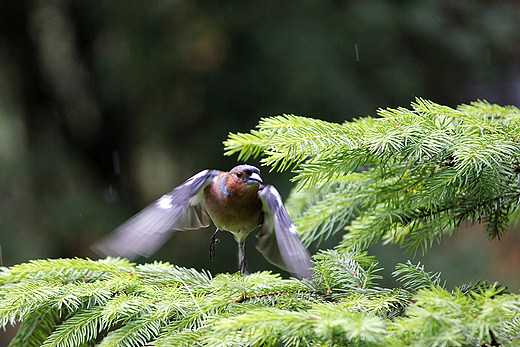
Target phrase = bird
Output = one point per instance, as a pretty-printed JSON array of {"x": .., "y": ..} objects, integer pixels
[{"x": 236, "y": 201}]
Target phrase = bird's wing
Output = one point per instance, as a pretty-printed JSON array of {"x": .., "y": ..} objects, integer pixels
[
  {"x": 278, "y": 238},
  {"x": 143, "y": 234}
]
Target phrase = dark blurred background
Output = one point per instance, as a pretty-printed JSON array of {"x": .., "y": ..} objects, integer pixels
[{"x": 105, "y": 105}]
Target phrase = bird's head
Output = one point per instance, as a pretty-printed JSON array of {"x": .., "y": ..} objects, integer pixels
[
  {"x": 241, "y": 179},
  {"x": 247, "y": 174}
]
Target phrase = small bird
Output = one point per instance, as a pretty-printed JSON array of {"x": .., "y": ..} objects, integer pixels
[{"x": 236, "y": 201}]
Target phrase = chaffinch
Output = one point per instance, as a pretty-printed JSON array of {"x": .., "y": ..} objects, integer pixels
[{"x": 236, "y": 201}]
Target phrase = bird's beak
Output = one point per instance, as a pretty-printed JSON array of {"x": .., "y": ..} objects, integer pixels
[{"x": 254, "y": 178}]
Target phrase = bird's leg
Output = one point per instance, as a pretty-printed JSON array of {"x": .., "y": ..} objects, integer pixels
[
  {"x": 242, "y": 263},
  {"x": 212, "y": 242}
]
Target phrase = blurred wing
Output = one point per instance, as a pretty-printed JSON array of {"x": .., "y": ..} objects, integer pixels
[
  {"x": 278, "y": 238},
  {"x": 143, "y": 234}
]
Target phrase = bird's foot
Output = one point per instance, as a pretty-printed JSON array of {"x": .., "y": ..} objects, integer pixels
[{"x": 212, "y": 241}]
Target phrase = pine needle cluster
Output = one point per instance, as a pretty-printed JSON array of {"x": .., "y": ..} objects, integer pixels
[
  {"x": 112, "y": 302},
  {"x": 410, "y": 176}
]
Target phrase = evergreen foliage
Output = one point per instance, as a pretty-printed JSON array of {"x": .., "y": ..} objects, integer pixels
[{"x": 410, "y": 176}]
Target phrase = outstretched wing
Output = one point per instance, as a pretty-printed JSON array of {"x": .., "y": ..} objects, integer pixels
[
  {"x": 278, "y": 238},
  {"x": 143, "y": 234}
]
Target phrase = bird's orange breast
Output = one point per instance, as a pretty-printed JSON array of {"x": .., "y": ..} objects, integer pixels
[{"x": 236, "y": 213}]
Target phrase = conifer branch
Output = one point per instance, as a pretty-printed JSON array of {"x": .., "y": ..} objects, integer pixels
[
  {"x": 414, "y": 277},
  {"x": 409, "y": 177},
  {"x": 342, "y": 304}
]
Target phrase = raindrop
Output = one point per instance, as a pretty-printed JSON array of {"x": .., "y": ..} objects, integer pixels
[{"x": 110, "y": 194}]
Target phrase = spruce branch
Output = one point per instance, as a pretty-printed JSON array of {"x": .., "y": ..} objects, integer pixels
[
  {"x": 83, "y": 326},
  {"x": 160, "y": 304},
  {"x": 414, "y": 277},
  {"x": 442, "y": 318},
  {"x": 410, "y": 176},
  {"x": 36, "y": 328},
  {"x": 324, "y": 209},
  {"x": 288, "y": 140}
]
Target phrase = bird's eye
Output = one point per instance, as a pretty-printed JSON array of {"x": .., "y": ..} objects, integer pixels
[{"x": 239, "y": 174}]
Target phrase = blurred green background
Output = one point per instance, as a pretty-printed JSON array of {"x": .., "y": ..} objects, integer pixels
[{"x": 105, "y": 105}]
